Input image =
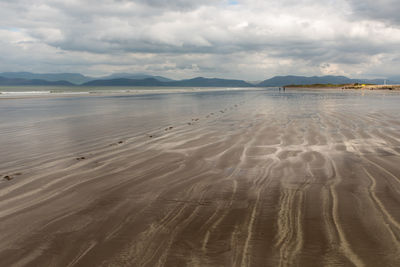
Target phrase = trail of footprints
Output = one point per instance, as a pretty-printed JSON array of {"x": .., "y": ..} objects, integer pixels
[{"x": 10, "y": 177}]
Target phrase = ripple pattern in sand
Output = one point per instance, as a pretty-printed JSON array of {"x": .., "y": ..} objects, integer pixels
[{"x": 240, "y": 187}]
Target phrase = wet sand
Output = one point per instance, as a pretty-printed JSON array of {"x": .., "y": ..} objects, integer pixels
[{"x": 271, "y": 180}]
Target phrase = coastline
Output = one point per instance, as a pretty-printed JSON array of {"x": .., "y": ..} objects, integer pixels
[{"x": 394, "y": 87}]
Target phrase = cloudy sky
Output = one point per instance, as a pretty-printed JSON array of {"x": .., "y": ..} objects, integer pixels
[{"x": 244, "y": 39}]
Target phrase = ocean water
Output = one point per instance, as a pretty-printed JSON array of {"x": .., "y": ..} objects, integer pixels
[{"x": 10, "y": 91}]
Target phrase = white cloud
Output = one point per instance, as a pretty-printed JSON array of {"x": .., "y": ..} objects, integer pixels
[{"x": 249, "y": 39}]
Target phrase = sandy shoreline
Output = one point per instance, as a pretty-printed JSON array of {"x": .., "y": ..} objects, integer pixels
[
  {"x": 359, "y": 87},
  {"x": 247, "y": 184}
]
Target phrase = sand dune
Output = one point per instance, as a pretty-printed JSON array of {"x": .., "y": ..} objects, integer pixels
[{"x": 253, "y": 186}]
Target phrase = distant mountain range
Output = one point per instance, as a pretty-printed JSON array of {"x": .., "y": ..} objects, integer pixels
[
  {"x": 76, "y": 78},
  {"x": 196, "y": 82},
  {"x": 128, "y": 79},
  {"x": 136, "y": 76},
  {"x": 33, "y": 82}
]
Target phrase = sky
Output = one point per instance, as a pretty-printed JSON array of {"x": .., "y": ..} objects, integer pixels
[{"x": 239, "y": 39}]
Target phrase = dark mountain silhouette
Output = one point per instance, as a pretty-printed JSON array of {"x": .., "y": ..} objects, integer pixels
[
  {"x": 77, "y": 78},
  {"x": 200, "y": 82},
  {"x": 34, "y": 82},
  {"x": 210, "y": 82},
  {"x": 134, "y": 76},
  {"x": 74, "y": 78},
  {"x": 125, "y": 82},
  {"x": 127, "y": 79}
]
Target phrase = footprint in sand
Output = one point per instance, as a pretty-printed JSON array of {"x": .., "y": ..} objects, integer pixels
[
  {"x": 8, "y": 177},
  {"x": 114, "y": 144}
]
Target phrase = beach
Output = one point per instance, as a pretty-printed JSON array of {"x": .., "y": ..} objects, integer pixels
[
  {"x": 192, "y": 178},
  {"x": 390, "y": 87}
]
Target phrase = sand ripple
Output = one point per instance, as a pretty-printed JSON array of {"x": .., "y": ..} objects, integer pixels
[{"x": 241, "y": 187}]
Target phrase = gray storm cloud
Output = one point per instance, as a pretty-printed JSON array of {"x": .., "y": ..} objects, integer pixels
[
  {"x": 384, "y": 10},
  {"x": 247, "y": 39}
]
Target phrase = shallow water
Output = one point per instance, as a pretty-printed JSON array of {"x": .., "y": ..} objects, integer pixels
[
  {"x": 63, "y": 123},
  {"x": 243, "y": 177}
]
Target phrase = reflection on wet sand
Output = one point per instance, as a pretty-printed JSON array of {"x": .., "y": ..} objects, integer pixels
[{"x": 252, "y": 186}]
